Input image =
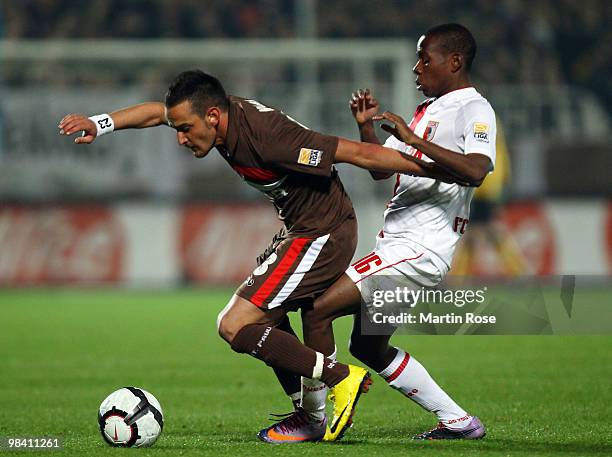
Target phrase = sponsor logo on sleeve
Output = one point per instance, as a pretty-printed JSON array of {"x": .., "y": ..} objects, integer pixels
[
  {"x": 481, "y": 132},
  {"x": 310, "y": 157}
]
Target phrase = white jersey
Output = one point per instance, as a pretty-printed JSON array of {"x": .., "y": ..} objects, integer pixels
[{"x": 427, "y": 212}]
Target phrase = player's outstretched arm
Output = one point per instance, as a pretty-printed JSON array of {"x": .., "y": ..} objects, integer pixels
[
  {"x": 139, "y": 116},
  {"x": 472, "y": 168},
  {"x": 375, "y": 157}
]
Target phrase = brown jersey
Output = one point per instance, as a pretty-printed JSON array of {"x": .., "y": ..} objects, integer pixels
[{"x": 290, "y": 164}]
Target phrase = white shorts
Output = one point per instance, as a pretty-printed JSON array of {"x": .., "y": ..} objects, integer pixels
[{"x": 399, "y": 258}]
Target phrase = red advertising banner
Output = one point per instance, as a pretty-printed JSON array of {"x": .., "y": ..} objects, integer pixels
[
  {"x": 520, "y": 241},
  {"x": 59, "y": 245},
  {"x": 219, "y": 244},
  {"x": 531, "y": 229}
]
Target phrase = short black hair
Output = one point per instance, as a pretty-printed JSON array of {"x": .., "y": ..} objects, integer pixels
[
  {"x": 200, "y": 89},
  {"x": 456, "y": 38}
]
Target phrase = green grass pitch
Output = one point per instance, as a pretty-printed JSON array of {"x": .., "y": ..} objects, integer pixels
[{"x": 62, "y": 351}]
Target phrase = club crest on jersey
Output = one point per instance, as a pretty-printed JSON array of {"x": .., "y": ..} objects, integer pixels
[
  {"x": 430, "y": 130},
  {"x": 310, "y": 157},
  {"x": 481, "y": 132}
]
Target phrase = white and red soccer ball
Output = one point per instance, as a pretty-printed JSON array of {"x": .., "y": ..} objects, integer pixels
[{"x": 130, "y": 417}]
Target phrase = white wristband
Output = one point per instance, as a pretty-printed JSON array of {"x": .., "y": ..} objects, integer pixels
[{"x": 104, "y": 124}]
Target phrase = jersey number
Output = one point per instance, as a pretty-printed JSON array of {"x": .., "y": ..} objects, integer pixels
[
  {"x": 459, "y": 225},
  {"x": 265, "y": 109},
  {"x": 104, "y": 122},
  {"x": 364, "y": 264}
]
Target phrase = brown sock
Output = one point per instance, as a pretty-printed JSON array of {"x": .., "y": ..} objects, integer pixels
[
  {"x": 279, "y": 349},
  {"x": 290, "y": 382}
]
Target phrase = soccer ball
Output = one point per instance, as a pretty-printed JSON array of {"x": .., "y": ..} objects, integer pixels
[{"x": 130, "y": 417}]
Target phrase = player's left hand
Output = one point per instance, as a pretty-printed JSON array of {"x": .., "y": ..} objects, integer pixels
[
  {"x": 364, "y": 106},
  {"x": 73, "y": 123},
  {"x": 399, "y": 129}
]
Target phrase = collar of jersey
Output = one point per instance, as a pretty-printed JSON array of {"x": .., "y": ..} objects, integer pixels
[
  {"x": 231, "y": 138},
  {"x": 451, "y": 97}
]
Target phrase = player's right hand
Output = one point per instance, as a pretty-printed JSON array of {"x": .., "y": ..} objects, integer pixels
[
  {"x": 74, "y": 123},
  {"x": 363, "y": 106},
  {"x": 399, "y": 129}
]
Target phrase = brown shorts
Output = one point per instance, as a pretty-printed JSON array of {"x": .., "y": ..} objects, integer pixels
[{"x": 296, "y": 269}]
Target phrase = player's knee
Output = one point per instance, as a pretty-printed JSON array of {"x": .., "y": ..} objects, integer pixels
[
  {"x": 249, "y": 338},
  {"x": 227, "y": 327}
]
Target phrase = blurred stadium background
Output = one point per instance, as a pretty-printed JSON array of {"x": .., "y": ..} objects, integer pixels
[{"x": 134, "y": 209}]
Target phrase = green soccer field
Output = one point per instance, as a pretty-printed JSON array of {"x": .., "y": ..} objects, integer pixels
[{"x": 62, "y": 351}]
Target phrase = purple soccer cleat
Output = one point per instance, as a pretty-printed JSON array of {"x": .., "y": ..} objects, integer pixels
[
  {"x": 475, "y": 430},
  {"x": 297, "y": 427}
]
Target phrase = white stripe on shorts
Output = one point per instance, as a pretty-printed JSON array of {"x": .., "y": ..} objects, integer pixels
[{"x": 304, "y": 267}]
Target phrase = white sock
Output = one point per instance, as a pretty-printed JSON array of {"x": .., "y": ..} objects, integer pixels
[
  {"x": 314, "y": 394},
  {"x": 408, "y": 376},
  {"x": 296, "y": 398}
]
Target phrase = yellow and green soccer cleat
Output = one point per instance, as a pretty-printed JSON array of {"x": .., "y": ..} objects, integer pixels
[{"x": 344, "y": 397}]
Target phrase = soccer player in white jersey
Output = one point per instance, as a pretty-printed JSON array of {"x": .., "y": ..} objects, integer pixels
[{"x": 455, "y": 128}]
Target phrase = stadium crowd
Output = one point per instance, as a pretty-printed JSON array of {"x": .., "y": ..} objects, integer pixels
[{"x": 521, "y": 41}]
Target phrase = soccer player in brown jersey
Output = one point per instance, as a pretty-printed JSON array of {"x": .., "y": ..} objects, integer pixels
[{"x": 293, "y": 167}]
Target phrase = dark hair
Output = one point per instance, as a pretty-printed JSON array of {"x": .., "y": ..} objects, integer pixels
[
  {"x": 456, "y": 38},
  {"x": 200, "y": 89}
]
